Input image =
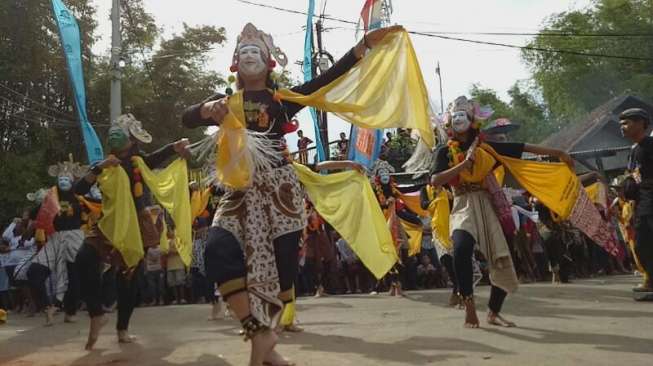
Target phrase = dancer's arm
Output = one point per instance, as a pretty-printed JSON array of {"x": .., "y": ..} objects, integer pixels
[
  {"x": 83, "y": 186},
  {"x": 157, "y": 158},
  {"x": 443, "y": 175},
  {"x": 202, "y": 114},
  {"x": 424, "y": 201},
  {"x": 548, "y": 151}
]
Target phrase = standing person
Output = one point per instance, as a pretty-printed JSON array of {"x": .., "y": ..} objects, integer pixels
[
  {"x": 60, "y": 217},
  {"x": 22, "y": 247},
  {"x": 154, "y": 276},
  {"x": 124, "y": 139},
  {"x": 259, "y": 227},
  {"x": 639, "y": 187},
  {"x": 343, "y": 145},
  {"x": 175, "y": 269},
  {"x": 473, "y": 218},
  {"x": 302, "y": 147}
]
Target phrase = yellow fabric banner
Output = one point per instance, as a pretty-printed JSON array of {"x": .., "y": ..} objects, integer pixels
[
  {"x": 440, "y": 212},
  {"x": 347, "y": 202},
  {"x": 119, "y": 222},
  {"x": 198, "y": 202},
  {"x": 385, "y": 89},
  {"x": 170, "y": 188},
  {"x": 415, "y": 234},
  {"x": 554, "y": 184},
  {"x": 412, "y": 201}
]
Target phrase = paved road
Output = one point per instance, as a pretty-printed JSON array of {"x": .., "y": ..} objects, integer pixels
[{"x": 592, "y": 322}]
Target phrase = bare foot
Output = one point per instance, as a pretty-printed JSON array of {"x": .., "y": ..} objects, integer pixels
[
  {"x": 94, "y": 332},
  {"x": 124, "y": 337},
  {"x": 293, "y": 328},
  {"x": 471, "y": 319},
  {"x": 496, "y": 319},
  {"x": 49, "y": 316},
  {"x": 454, "y": 300},
  {"x": 262, "y": 344},
  {"x": 70, "y": 319},
  {"x": 275, "y": 359}
]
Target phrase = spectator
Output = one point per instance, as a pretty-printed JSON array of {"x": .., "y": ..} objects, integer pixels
[
  {"x": 175, "y": 269},
  {"x": 302, "y": 146},
  {"x": 154, "y": 275},
  {"x": 426, "y": 273},
  {"x": 343, "y": 144},
  {"x": 350, "y": 265}
]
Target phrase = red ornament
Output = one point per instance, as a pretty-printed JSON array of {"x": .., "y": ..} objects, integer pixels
[
  {"x": 233, "y": 68},
  {"x": 272, "y": 64},
  {"x": 290, "y": 126}
]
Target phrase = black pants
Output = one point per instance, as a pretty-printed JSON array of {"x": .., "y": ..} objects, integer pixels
[
  {"x": 644, "y": 244},
  {"x": 37, "y": 274},
  {"x": 225, "y": 261},
  {"x": 89, "y": 270},
  {"x": 71, "y": 298},
  {"x": 128, "y": 286},
  {"x": 463, "y": 244}
]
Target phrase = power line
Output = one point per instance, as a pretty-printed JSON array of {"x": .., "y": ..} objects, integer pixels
[
  {"x": 442, "y": 35},
  {"x": 44, "y": 115},
  {"x": 35, "y": 101}
]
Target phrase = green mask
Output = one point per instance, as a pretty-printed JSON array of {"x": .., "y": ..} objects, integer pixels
[{"x": 118, "y": 139}]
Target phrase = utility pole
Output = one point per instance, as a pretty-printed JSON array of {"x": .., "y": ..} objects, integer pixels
[
  {"x": 318, "y": 64},
  {"x": 438, "y": 71},
  {"x": 116, "y": 74}
]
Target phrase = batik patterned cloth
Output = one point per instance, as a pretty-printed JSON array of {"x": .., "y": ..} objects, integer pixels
[{"x": 271, "y": 208}]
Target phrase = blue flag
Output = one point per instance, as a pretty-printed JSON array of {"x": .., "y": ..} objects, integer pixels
[
  {"x": 70, "y": 41},
  {"x": 307, "y": 67}
]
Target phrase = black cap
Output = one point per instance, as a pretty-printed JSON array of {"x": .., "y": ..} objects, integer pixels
[{"x": 637, "y": 113}]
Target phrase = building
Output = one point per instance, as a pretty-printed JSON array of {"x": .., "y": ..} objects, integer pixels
[{"x": 596, "y": 143}]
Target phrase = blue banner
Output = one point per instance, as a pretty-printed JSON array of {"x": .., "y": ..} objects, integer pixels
[
  {"x": 307, "y": 67},
  {"x": 71, "y": 43},
  {"x": 365, "y": 144}
]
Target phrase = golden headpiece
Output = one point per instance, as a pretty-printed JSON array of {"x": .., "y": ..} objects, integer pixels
[{"x": 251, "y": 36}]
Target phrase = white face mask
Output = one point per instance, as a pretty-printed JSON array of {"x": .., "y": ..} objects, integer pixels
[
  {"x": 460, "y": 122},
  {"x": 65, "y": 183},
  {"x": 250, "y": 61},
  {"x": 384, "y": 178}
]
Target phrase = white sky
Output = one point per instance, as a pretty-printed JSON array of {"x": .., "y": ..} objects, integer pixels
[{"x": 462, "y": 64}]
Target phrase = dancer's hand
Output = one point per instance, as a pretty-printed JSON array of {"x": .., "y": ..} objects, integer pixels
[
  {"x": 216, "y": 110},
  {"x": 567, "y": 159},
  {"x": 109, "y": 162},
  {"x": 375, "y": 37},
  {"x": 182, "y": 148}
]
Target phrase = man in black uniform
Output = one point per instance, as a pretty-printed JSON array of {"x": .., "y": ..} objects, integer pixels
[{"x": 639, "y": 187}]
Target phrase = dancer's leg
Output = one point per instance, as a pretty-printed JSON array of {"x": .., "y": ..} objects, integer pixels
[
  {"x": 71, "y": 298},
  {"x": 497, "y": 297},
  {"x": 463, "y": 244},
  {"x": 37, "y": 274},
  {"x": 88, "y": 267},
  {"x": 127, "y": 283}
]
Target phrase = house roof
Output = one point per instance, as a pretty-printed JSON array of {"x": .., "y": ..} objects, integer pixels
[{"x": 569, "y": 137}]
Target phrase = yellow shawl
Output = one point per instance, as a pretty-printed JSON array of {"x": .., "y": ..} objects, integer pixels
[
  {"x": 170, "y": 188},
  {"x": 385, "y": 89},
  {"x": 119, "y": 222},
  {"x": 347, "y": 202}
]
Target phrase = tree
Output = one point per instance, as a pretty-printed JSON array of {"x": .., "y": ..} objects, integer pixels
[
  {"x": 572, "y": 85},
  {"x": 536, "y": 122}
]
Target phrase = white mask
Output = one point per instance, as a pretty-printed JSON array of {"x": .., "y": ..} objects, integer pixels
[
  {"x": 460, "y": 122},
  {"x": 95, "y": 192},
  {"x": 65, "y": 183},
  {"x": 384, "y": 178},
  {"x": 250, "y": 61}
]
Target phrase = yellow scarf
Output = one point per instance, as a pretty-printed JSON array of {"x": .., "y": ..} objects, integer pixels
[
  {"x": 440, "y": 211},
  {"x": 119, "y": 222},
  {"x": 554, "y": 184},
  {"x": 347, "y": 202},
  {"x": 170, "y": 188},
  {"x": 198, "y": 202},
  {"x": 385, "y": 89}
]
